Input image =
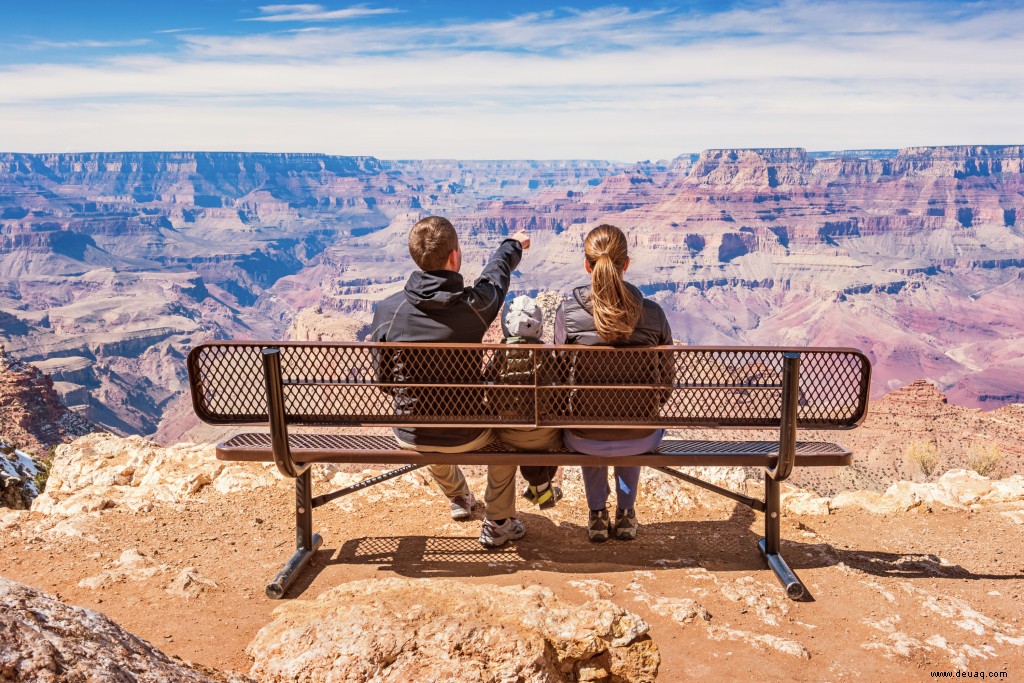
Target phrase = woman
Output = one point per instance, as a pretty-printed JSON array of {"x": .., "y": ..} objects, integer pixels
[{"x": 610, "y": 311}]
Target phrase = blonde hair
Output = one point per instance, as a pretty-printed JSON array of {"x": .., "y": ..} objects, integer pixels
[
  {"x": 431, "y": 240},
  {"x": 616, "y": 311}
]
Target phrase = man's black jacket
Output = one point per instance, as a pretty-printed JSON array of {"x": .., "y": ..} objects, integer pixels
[{"x": 436, "y": 306}]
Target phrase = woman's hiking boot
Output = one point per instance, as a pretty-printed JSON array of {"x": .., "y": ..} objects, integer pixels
[
  {"x": 599, "y": 526},
  {"x": 625, "y": 524}
]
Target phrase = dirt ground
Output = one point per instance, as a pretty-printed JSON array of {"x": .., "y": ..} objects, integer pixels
[{"x": 897, "y": 595}]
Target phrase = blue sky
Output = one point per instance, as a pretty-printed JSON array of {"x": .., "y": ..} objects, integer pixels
[{"x": 508, "y": 80}]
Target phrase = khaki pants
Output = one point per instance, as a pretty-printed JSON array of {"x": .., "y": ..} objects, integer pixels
[
  {"x": 531, "y": 438},
  {"x": 500, "y": 496}
]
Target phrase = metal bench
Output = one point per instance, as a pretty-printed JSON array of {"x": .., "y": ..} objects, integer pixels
[{"x": 456, "y": 385}]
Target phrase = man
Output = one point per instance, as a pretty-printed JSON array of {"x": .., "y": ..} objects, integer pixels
[{"x": 436, "y": 306}]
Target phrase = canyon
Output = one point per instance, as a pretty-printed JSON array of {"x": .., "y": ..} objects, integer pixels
[{"x": 113, "y": 265}]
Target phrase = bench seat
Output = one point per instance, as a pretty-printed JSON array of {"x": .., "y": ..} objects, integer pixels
[{"x": 382, "y": 449}]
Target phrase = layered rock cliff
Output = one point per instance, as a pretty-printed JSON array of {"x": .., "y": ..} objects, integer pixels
[
  {"x": 32, "y": 415},
  {"x": 113, "y": 265}
]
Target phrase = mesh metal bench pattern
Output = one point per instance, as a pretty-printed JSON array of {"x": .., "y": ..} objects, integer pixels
[{"x": 357, "y": 385}]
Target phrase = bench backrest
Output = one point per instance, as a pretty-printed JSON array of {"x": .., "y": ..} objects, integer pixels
[{"x": 394, "y": 384}]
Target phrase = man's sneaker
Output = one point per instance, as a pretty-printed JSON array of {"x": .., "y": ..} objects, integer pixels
[
  {"x": 546, "y": 498},
  {"x": 494, "y": 535},
  {"x": 599, "y": 526},
  {"x": 462, "y": 506},
  {"x": 625, "y": 524}
]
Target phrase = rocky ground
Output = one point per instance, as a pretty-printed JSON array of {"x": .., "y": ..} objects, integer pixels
[{"x": 176, "y": 548}]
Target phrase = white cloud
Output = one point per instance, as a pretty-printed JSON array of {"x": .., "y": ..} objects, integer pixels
[
  {"x": 306, "y": 12},
  {"x": 69, "y": 44},
  {"x": 595, "y": 30},
  {"x": 610, "y": 83}
]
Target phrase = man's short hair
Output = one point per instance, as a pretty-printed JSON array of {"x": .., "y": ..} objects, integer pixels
[{"x": 431, "y": 240}]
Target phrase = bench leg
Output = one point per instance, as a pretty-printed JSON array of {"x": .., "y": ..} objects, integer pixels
[
  {"x": 306, "y": 542},
  {"x": 769, "y": 545}
]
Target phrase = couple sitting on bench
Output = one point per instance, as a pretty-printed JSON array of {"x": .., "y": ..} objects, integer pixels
[{"x": 437, "y": 306}]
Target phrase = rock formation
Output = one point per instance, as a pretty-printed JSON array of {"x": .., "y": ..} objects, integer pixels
[
  {"x": 32, "y": 415},
  {"x": 33, "y": 420},
  {"x": 443, "y": 630},
  {"x": 101, "y": 471},
  {"x": 43, "y": 639},
  {"x": 920, "y": 416}
]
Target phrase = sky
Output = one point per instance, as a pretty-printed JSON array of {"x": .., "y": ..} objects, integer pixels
[{"x": 522, "y": 80}]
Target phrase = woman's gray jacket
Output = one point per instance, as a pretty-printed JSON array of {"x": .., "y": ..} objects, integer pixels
[{"x": 574, "y": 324}]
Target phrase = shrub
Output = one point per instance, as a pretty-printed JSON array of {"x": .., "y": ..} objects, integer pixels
[
  {"x": 925, "y": 454},
  {"x": 43, "y": 466},
  {"x": 984, "y": 458}
]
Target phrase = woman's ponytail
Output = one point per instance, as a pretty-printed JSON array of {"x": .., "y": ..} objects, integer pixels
[{"x": 616, "y": 311}]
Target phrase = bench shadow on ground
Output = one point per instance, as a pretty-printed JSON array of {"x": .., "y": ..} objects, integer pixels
[{"x": 716, "y": 545}]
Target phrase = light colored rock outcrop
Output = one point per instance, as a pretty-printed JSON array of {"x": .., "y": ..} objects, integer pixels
[
  {"x": 43, "y": 639},
  {"x": 956, "y": 489},
  {"x": 803, "y": 502},
  {"x": 672, "y": 497},
  {"x": 408, "y": 630},
  {"x": 100, "y": 471}
]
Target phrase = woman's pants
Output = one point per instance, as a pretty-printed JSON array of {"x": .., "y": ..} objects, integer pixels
[{"x": 595, "y": 479}]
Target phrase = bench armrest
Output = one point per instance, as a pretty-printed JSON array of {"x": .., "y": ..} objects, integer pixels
[
  {"x": 787, "y": 431},
  {"x": 275, "y": 411}
]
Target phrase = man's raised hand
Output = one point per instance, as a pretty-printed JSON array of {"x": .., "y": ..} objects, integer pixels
[{"x": 522, "y": 238}]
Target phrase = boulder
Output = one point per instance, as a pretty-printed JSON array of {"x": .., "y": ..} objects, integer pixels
[
  {"x": 101, "y": 471},
  {"x": 43, "y": 639},
  {"x": 444, "y": 630},
  {"x": 966, "y": 487},
  {"x": 803, "y": 502},
  {"x": 1009, "y": 490}
]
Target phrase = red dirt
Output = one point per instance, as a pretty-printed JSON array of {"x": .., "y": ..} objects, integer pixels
[{"x": 849, "y": 561}]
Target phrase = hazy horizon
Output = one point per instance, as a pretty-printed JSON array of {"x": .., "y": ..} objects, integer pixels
[{"x": 811, "y": 152}]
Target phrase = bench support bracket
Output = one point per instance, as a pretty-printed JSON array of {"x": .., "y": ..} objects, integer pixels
[
  {"x": 738, "y": 497},
  {"x": 771, "y": 506},
  {"x": 364, "y": 484},
  {"x": 769, "y": 545},
  {"x": 306, "y": 542}
]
